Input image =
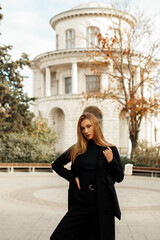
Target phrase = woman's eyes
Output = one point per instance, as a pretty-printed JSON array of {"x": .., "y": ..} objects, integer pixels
[{"x": 88, "y": 126}]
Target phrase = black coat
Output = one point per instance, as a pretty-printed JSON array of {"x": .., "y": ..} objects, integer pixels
[{"x": 106, "y": 175}]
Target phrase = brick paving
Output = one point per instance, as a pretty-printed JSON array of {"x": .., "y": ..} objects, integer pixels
[{"x": 32, "y": 204}]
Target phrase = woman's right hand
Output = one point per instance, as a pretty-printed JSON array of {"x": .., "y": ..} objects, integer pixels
[{"x": 77, "y": 182}]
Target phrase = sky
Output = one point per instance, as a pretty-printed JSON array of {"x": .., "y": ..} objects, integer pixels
[{"x": 26, "y": 26}]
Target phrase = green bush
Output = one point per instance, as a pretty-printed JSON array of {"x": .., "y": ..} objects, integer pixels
[
  {"x": 146, "y": 155},
  {"x": 35, "y": 145}
]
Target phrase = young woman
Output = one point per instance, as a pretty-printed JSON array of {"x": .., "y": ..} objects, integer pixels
[{"x": 92, "y": 201}]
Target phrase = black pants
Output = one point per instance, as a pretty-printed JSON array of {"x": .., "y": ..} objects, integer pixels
[{"x": 81, "y": 221}]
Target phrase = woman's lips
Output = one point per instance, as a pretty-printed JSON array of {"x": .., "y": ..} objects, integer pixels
[{"x": 88, "y": 135}]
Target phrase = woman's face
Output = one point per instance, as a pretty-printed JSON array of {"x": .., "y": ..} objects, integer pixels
[{"x": 87, "y": 129}]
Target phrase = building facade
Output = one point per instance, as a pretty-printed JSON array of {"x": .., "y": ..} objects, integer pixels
[{"x": 60, "y": 78}]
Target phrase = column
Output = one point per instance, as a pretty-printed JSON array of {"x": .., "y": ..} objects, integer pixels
[
  {"x": 61, "y": 84},
  {"x": 48, "y": 82},
  {"x": 42, "y": 84},
  {"x": 74, "y": 78},
  {"x": 37, "y": 83},
  {"x": 35, "y": 92}
]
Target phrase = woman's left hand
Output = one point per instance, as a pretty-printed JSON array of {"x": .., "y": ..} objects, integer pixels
[{"x": 108, "y": 154}]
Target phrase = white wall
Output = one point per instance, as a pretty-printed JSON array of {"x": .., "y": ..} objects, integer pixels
[{"x": 80, "y": 25}]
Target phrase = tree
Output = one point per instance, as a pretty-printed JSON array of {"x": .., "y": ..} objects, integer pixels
[
  {"x": 122, "y": 55},
  {"x": 21, "y": 137},
  {"x": 14, "y": 104}
]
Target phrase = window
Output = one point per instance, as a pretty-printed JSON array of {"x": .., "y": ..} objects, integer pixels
[
  {"x": 68, "y": 85},
  {"x": 92, "y": 83},
  {"x": 70, "y": 38},
  {"x": 53, "y": 83},
  {"x": 92, "y": 37},
  {"x": 96, "y": 112},
  {"x": 57, "y": 43}
]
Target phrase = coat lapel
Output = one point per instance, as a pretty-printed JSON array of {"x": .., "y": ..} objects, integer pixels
[
  {"x": 100, "y": 158},
  {"x": 100, "y": 164}
]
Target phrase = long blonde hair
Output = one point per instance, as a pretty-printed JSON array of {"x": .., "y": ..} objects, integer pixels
[{"x": 81, "y": 145}]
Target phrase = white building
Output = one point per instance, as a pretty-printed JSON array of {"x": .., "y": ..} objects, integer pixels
[{"x": 60, "y": 77}]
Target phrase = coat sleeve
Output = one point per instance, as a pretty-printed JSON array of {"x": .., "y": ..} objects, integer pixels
[
  {"x": 115, "y": 167},
  {"x": 58, "y": 167}
]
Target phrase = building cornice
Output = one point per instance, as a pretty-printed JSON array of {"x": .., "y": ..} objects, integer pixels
[
  {"x": 59, "y": 55},
  {"x": 61, "y": 52},
  {"x": 66, "y": 56},
  {"x": 59, "y": 97},
  {"x": 86, "y": 12}
]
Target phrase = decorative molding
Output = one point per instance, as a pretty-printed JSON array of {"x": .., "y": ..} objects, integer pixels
[{"x": 87, "y": 12}]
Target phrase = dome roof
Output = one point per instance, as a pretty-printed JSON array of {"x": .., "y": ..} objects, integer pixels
[
  {"x": 93, "y": 4},
  {"x": 90, "y": 8}
]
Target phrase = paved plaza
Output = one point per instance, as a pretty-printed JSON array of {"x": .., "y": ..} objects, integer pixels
[{"x": 31, "y": 205}]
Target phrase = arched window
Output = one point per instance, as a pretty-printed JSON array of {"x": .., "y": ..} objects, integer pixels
[
  {"x": 92, "y": 37},
  {"x": 96, "y": 111},
  {"x": 70, "y": 38},
  {"x": 57, "y": 122}
]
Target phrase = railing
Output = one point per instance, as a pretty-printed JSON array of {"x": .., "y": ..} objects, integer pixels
[
  {"x": 46, "y": 167},
  {"x": 25, "y": 167},
  {"x": 146, "y": 171}
]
